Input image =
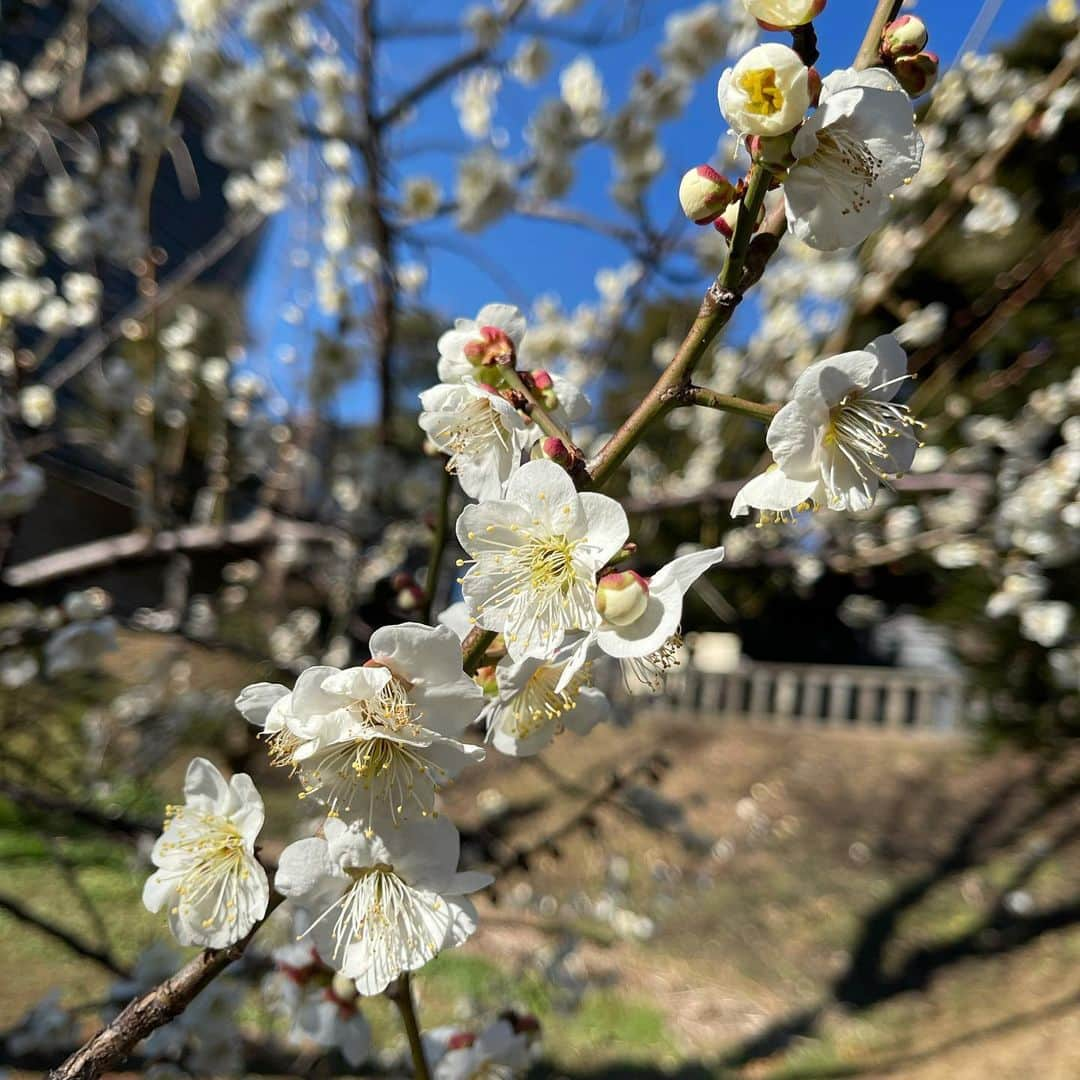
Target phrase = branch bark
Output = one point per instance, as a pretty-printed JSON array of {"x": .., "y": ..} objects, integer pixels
[
  {"x": 152, "y": 1010},
  {"x": 262, "y": 527}
]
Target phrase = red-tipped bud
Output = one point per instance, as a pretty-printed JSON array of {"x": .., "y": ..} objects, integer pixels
[
  {"x": 542, "y": 380},
  {"x": 904, "y": 36},
  {"x": 486, "y": 680},
  {"x": 492, "y": 347},
  {"x": 725, "y": 224},
  {"x": 460, "y": 1040},
  {"x": 622, "y": 597},
  {"x": 554, "y": 450},
  {"x": 704, "y": 194},
  {"x": 409, "y": 599},
  {"x": 784, "y": 14},
  {"x": 918, "y": 73}
]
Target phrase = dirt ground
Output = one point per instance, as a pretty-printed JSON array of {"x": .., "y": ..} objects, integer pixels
[{"x": 709, "y": 899}]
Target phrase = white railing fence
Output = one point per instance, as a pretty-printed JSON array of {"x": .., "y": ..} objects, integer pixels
[{"x": 806, "y": 695}]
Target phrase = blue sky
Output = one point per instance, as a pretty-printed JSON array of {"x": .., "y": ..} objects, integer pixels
[{"x": 536, "y": 258}]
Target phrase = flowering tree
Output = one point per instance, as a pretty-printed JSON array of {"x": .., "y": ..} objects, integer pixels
[{"x": 378, "y": 713}]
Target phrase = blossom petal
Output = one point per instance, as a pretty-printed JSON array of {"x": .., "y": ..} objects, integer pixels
[
  {"x": 775, "y": 491},
  {"x": 793, "y": 438}
]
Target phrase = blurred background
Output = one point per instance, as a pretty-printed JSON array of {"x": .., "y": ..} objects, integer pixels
[{"x": 845, "y": 840}]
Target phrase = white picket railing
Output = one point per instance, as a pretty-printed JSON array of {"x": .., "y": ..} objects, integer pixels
[{"x": 807, "y": 695}]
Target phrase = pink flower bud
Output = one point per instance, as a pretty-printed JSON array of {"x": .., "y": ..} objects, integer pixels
[
  {"x": 904, "y": 36},
  {"x": 492, "y": 347},
  {"x": 485, "y": 678},
  {"x": 622, "y": 597},
  {"x": 704, "y": 194},
  {"x": 542, "y": 380},
  {"x": 916, "y": 74},
  {"x": 556, "y": 450},
  {"x": 725, "y": 224}
]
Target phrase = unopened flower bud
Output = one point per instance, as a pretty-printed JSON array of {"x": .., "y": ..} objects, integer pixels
[
  {"x": 544, "y": 388},
  {"x": 773, "y": 152},
  {"x": 726, "y": 222},
  {"x": 704, "y": 194},
  {"x": 492, "y": 347},
  {"x": 904, "y": 36},
  {"x": 783, "y": 14},
  {"x": 622, "y": 597},
  {"x": 343, "y": 988},
  {"x": 554, "y": 450},
  {"x": 485, "y": 678},
  {"x": 916, "y": 74},
  {"x": 460, "y": 1040}
]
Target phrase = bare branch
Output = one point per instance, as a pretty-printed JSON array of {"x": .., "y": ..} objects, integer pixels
[
  {"x": 75, "y": 944},
  {"x": 262, "y": 527},
  {"x": 153, "y": 1010},
  {"x": 193, "y": 267}
]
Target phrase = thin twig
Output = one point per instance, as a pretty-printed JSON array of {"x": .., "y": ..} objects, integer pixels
[{"x": 75, "y": 944}]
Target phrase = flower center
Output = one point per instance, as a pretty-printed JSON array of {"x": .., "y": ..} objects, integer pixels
[
  {"x": 848, "y": 166},
  {"x": 379, "y": 911},
  {"x": 539, "y": 704},
  {"x": 214, "y": 851},
  {"x": 551, "y": 563},
  {"x": 863, "y": 430},
  {"x": 469, "y": 432},
  {"x": 396, "y": 768},
  {"x": 764, "y": 97}
]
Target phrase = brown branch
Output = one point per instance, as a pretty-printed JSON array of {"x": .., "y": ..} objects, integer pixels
[
  {"x": 869, "y": 54},
  {"x": 261, "y": 527},
  {"x": 193, "y": 267},
  {"x": 40, "y": 802},
  {"x": 152, "y": 1010},
  {"x": 435, "y": 78},
  {"x": 383, "y": 288},
  {"x": 75, "y": 944}
]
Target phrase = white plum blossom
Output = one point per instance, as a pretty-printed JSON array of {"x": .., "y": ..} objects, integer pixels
[
  {"x": 383, "y": 900},
  {"x": 382, "y": 737},
  {"x": 535, "y": 554},
  {"x": 497, "y": 330},
  {"x": 531, "y": 707},
  {"x": 208, "y": 878},
  {"x": 852, "y": 154},
  {"x": 839, "y": 437},
  {"x": 640, "y": 618},
  {"x": 766, "y": 93},
  {"x": 481, "y": 432},
  {"x": 499, "y": 1052},
  {"x": 329, "y": 1019}
]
